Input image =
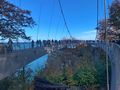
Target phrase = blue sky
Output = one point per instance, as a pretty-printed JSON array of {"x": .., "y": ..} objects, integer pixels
[{"x": 80, "y": 16}]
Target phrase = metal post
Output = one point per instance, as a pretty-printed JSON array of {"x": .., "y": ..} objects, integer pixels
[
  {"x": 107, "y": 66},
  {"x": 97, "y": 18}
]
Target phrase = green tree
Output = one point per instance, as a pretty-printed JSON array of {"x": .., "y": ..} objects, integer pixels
[
  {"x": 86, "y": 76},
  {"x": 101, "y": 73},
  {"x": 5, "y": 84},
  {"x": 69, "y": 77},
  {"x": 21, "y": 80}
]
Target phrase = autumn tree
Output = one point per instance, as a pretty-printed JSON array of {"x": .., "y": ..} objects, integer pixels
[
  {"x": 13, "y": 21},
  {"x": 101, "y": 30},
  {"x": 113, "y": 24},
  {"x": 106, "y": 31},
  {"x": 114, "y": 14}
]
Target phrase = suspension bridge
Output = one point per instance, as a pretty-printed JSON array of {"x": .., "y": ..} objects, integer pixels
[{"x": 10, "y": 62}]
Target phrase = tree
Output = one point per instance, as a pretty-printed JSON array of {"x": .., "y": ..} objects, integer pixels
[
  {"x": 21, "y": 80},
  {"x": 75, "y": 67},
  {"x": 13, "y": 20},
  {"x": 114, "y": 13},
  {"x": 5, "y": 83},
  {"x": 110, "y": 33},
  {"x": 70, "y": 80},
  {"x": 101, "y": 73},
  {"x": 86, "y": 76},
  {"x": 113, "y": 23}
]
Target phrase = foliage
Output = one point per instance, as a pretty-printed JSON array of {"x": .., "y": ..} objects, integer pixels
[
  {"x": 86, "y": 76},
  {"x": 13, "y": 20},
  {"x": 19, "y": 81},
  {"x": 75, "y": 67},
  {"x": 115, "y": 14},
  {"x": 55, "y": 78},
  {"x": 101, "y": 73},
  {"x": 5, "y": 84},
  {"x": 112, "y": 25},
  {"x": 69, "y": 77},
  {"x": 110, "y": 33}
]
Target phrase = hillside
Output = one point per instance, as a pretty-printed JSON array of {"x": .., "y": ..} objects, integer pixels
[{"x": 66, "y": 65}]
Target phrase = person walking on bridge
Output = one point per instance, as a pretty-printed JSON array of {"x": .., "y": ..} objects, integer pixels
[
  {"x": 37, "y": 43},
  {"x": 32, "y": 44},
  {"x": 10, "y": 45}
]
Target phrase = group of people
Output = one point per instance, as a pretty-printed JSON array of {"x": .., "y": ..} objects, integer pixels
[
  {"x": 38, "y": 43},
  {"x": 9, "y": 46},
  {"x": 48, "y": 43}
]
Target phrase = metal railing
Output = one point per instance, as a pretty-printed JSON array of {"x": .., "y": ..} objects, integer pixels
[{"x": 5, "y": 49}]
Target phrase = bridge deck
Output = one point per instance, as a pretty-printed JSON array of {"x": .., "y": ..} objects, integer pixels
[{"x": 10, "y": 62}]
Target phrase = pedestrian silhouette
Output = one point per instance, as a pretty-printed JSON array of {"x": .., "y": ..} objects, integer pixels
[
  {"x": 10, "y": 45},
  {"x": 32, "y": 44},
  {"x": 37, "y": 43}
]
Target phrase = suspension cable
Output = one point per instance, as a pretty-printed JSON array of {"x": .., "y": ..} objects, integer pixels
[
  {"x": 107, "y": 66},
  {"x": 108, "y": 7},
  {"x": 97, "y": 19},
  {"x": 66, "y": 25}
]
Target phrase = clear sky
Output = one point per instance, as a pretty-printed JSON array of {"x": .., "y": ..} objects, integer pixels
[{"x": 80, "y": 16}]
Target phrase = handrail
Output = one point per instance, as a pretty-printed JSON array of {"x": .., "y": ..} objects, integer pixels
[{"x": 16, "y": 47}]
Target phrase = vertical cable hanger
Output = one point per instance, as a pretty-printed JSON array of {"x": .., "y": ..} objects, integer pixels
[
  {"x": 97, "y": 18},
  {"x": 107, "y": 66},
  {"x": 105, "y": 17}
]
